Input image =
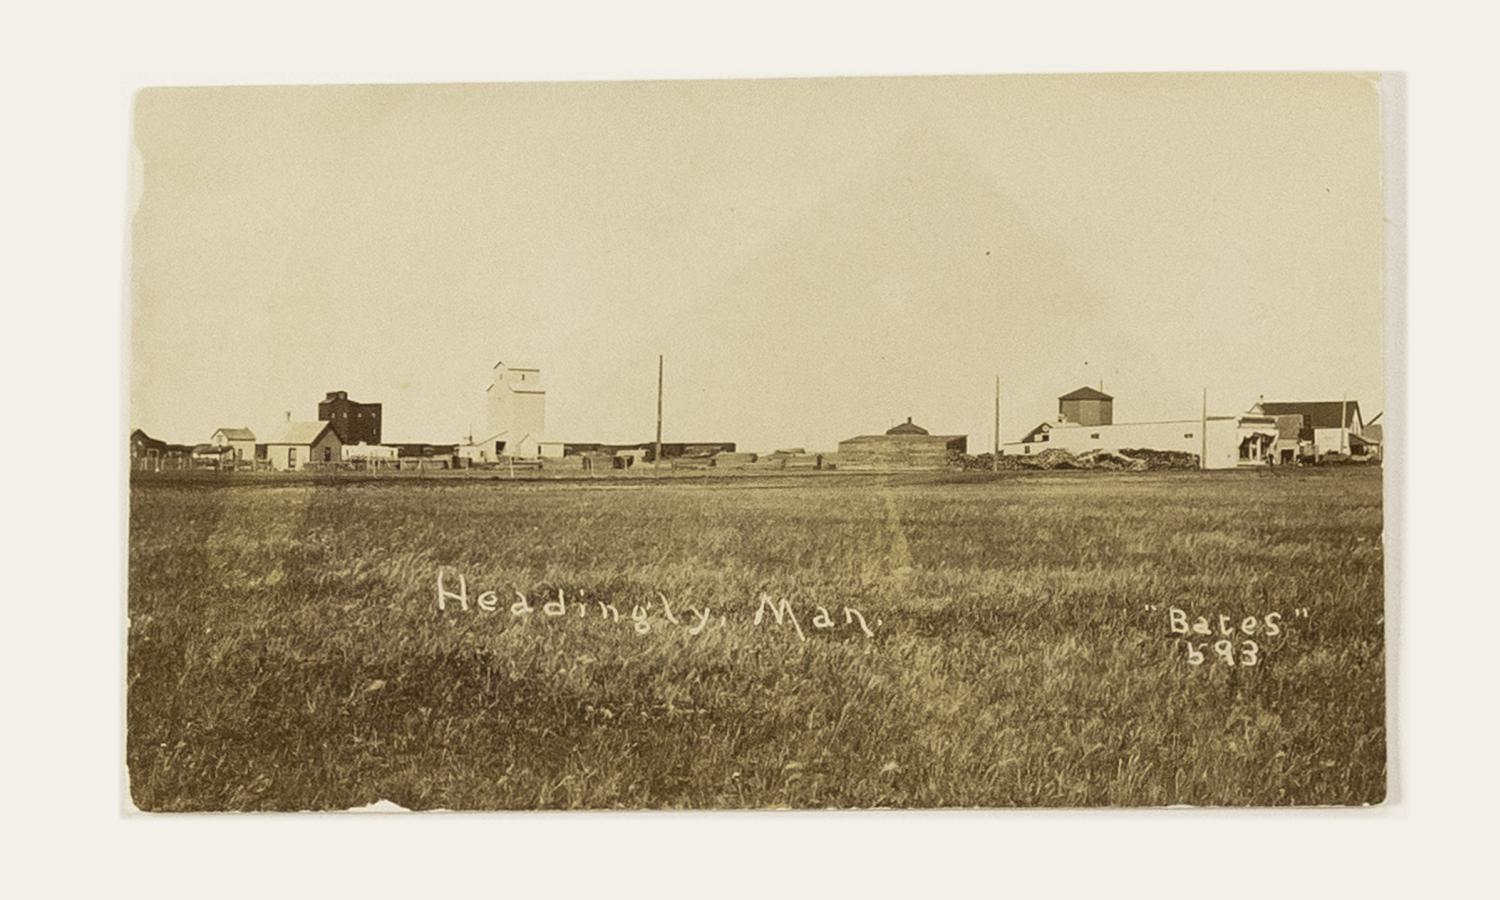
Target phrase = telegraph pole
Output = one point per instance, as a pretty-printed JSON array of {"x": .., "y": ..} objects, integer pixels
[
  {"x": 656, "y": 460},
  {"x": 995, "y": 457},
  {"x": 1343, "y": 423},
  {"x": 1203, "y": 434}
]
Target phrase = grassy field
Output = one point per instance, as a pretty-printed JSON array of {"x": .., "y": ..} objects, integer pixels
[{"x": 287, "y": 647}]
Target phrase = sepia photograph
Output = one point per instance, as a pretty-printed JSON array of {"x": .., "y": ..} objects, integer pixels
[{"x": 985, "y": 441}]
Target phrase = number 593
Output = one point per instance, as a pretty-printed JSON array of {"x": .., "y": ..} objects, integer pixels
[{"x": 1227, "y": 652}]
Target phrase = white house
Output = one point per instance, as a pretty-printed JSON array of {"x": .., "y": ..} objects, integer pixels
[
  {"x": 241, "y": 441},
  {"x": 303, "y": 443},
  {"x": 1230, "y": 440}
]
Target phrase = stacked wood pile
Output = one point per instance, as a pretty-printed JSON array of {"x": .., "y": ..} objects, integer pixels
[
  {"x": 986, "y": 461},
  {"x": 898, "y": 451},
  {"x": 1108, "y": 459},
  {"x": 1164, "y": 459},
  {"x": 802, "y": 461},
  {"x": 733, "y": 460},
  {"x": 1124, "y": 460},
  {"x": 691, "y": 462},
  {"x": 796, "y": 458}
]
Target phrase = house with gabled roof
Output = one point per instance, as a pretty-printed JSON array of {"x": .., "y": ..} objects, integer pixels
[
  {"x": 303, "y": 443},
  {"x": 240, "y": 442},
  {"x": 1328, "y": 426}
]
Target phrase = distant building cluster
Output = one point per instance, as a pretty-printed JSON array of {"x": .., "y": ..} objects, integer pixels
[
  {"x": 348, "y": 434},
  {"x": 1269, "y": 433},
  {"x": 345, "y": 430}
]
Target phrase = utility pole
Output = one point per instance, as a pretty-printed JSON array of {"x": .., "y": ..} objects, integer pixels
[
  {"x": 1343, "y": 425},
  {"x": 995, "y": 457},
  {"x": 1203, "y": 434},
  {"x": 656, "y": 460}
]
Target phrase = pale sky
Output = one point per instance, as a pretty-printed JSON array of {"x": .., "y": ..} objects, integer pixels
[{"x": 815, "y": 258}]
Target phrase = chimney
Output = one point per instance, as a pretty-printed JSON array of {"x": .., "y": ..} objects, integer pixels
[
  {"x": 289, "y": 415},
  {"x": 908, "y": 420}
]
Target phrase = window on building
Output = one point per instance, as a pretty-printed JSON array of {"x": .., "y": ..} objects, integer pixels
[
  {"x": 1189, "y": 435},
  {"x": 1094, "y": 436}
]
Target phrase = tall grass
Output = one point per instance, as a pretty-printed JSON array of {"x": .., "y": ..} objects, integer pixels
[{"x": 287, "y": 650}]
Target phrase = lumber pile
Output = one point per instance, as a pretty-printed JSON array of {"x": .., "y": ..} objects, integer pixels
[{"x": 733, "y": 460}]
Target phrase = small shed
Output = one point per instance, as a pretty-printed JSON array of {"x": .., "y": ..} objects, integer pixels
[{"x": 212, "y": 456}]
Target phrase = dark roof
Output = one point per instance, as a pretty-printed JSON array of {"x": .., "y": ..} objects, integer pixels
[
  {"x": 906, "y": 428},
  {"x": 902, "y": 439},
  {"x": 1031, "y": 435},
  {"x": 141, "y": 436},
  {"x": 333, "y": 397},
  {"x": 1288, "y": 426},
  {"x": 1316, "y": 413},
  {"x": 1085, "y": 393}
]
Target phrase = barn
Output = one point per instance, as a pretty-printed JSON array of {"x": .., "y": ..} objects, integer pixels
[
  {"x": 148, "y": 454},
  {"x": 906, "y": 446}
]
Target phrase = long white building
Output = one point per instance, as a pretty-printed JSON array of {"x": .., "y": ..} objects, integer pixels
[{"x": 1085, "y": 422}]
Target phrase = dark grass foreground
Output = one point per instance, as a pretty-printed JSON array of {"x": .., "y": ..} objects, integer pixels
[{"x": 286, "y": 650}]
